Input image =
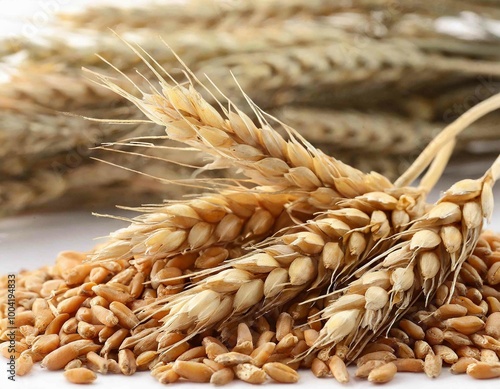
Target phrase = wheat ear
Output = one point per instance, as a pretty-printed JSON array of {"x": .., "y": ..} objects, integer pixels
[
  {"x": 206, "y": 14},
  {"x": 373, "y": 132},
  {"x": 192, "y": 225},
  {"x": 233, "y": 138},
  {"x": 198, "y": 14},
  {"x": 52, "y": 90},
  {"x": 327, "y": 64},
  {"x": 46, "y": 187},
  {"x": 321, "y": 253},
  {"x": 438, "y": 244},
  {"x": 43, "y": 134},
  {"x": 194, "y": 47}
]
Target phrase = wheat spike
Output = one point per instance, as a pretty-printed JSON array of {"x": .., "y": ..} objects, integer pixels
[
  {"x": 46, "y": 133},
  {"x": 199, "y": 14},
  {"x": 437, "y": 244},
  {"x": 373, "y": 132},
  {"x": 233, "y": 138},
  {"x": 193, "y": 46},
  {"x": 47, "y": 187},
  {"x": 32, "y": 89},
  {"x": 322, "y": 253},
  {"x": 220, "y": 14},
  {"x": 280, "y": 73},
  {"x": 193, "y": 225}
]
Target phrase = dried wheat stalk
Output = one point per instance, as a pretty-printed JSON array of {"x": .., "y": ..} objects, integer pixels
[
  {"x": 38, "y": 135},
  {"x": 32, "y": 89},
  {"x": 197, "y": 14}
]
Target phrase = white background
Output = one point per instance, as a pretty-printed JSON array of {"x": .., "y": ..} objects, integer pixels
[{"x": 31, "y": 241}]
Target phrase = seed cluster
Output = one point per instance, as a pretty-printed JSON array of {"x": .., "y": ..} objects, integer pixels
[{"x": 80, "y": 317}]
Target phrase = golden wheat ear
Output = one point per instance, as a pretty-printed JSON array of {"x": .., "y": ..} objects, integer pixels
[
  {"x": 437, "y": 244},
  {"x": 261, "y": 153}
]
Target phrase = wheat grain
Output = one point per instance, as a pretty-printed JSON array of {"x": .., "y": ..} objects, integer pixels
[
  {"x": 383, "y": 374},
  {"x": 250, "y": 373},
  {"x": 80, "y": 375}
]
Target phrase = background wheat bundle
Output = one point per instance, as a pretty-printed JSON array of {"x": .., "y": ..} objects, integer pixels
[
  {"x": 370, "y": 82},
  {"x": 305, "y": 263}
]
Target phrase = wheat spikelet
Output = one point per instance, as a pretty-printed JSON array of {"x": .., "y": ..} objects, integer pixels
[{"x": 437, "y": 244}]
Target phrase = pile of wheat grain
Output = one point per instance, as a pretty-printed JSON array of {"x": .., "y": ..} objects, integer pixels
[
  {"x": 79, "y": 317},
  {"x": 309, "y": 262},
  {"x": 358, "y": 79}
]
